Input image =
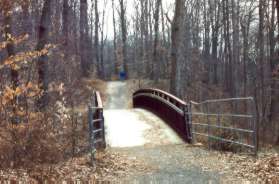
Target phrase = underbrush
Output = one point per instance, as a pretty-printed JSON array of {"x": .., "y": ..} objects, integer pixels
[{"x": 44, "y": 137}]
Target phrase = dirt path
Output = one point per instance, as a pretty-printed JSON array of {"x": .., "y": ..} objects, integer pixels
[
  {"x": 117, "y": 95},
  {"x": 142, "y": 136}
]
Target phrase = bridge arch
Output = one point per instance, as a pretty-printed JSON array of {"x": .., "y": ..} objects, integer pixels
[{"x": 171, "y": 109}]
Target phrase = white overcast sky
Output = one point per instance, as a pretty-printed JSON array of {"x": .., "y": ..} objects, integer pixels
[{"x": 130, "y": 12}]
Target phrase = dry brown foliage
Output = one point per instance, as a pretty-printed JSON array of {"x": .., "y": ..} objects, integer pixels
[
  {"x": 110, "y": 167},
  {"x": 264, "y": 169}
]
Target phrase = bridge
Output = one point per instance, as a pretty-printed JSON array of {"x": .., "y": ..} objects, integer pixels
[
  {"x": 129, "y": 118},
  {"x": 130, "y": 123},
  {"x": 154, "y": 125}
]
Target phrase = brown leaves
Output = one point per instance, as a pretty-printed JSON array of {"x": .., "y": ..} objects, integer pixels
[
  {"x": 265, "y": 169},
  {"x": 6, "y": 6},
  {"x": 12, "y": 40},
  {"x": 8, "y": 96},
  {"x": 28, "y": 90},
  {"x": 16, "y": 61},
  {"x": 23, "y": 58},
  {"x": 110, "y": 167}
]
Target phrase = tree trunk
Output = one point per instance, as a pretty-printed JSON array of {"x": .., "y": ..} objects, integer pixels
[
  {"x": 65, "y": 23},
  {"x": 214, "y": 39},
  {"x": 114, "y": 39},
  {"x": 261, "y": 48},
  {"x": 277, "y": 7},
  {"x": 175, "y": 40},
  {"x": 124, "y": 36},
  {"x": 156, "y": 64},
  {"x": 43, "y": 37},
  {"x": 273, "y": 65},
  {"x": 102, "y": 67},
  {"x": 83, "y": 36},
  {"x": 235, "y": 48},
  {"x": 11, "y": 50},
  {"x": 96, "y": 42}
]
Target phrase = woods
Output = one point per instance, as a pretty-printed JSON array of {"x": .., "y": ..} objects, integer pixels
[{"x": 53, "y": 53}]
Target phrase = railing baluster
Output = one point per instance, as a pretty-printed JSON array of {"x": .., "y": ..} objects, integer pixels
[
  {"x": 96, "y": 125},
  {"x": 91, "y": 138}
]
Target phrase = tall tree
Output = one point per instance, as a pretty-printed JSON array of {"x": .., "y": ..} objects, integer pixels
[
  {"x": 114, "y": 39},
  {"x": 96, "y": 41},
  {"x": 175, "y": 41},
  {"x": 65, "y": 25},
  {"x": 7, "y": 9},
  {"x": 261, "y": 54},
  {"x": 43, "y": 38},
  {"x": 124, "y": 36},
  {"x": 103, "y": 40},
  {"x": 274, "y": 107},
  {"x": 236, "y": 45},
  {"x": 155, "y": 49},
  {"x": 215, "y": 27},
  {"x": 83, "y": 38}
]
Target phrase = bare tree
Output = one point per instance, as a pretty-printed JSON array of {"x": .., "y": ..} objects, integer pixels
[
  {"x": 124, "y": 35},
  {"x": 96, "y": 42},
  {"x": 44, "y": 30},
  {"x": 65, "y": 25},
  {"x": 103, "y": 40},
  {"x": 83, "y": 38},
  {"x": 176, "y": 33},
  {"x": 155, "y": 49},
  {"x": 114, "y": 38}
]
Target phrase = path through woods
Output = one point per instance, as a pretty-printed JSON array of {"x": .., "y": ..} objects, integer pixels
[{"x": 142, "y": 136}]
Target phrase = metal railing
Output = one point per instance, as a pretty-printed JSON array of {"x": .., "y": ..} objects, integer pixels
[
  {"x": 96, "y": 125},
  {"x": 214, "y": 121},
  {"x": 170, "y": 108}
]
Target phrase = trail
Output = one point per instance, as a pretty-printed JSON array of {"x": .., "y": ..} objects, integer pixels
[{"x": 141, "y": 135}]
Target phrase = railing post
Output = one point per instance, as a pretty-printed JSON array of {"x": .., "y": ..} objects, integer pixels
[
  {"x": 219, "y": 122},
  {"x": 186, "y": 119},
  {"x": 103, "y": 128},
  {"x": 208, "y": 125},
  {"x": 255, "y": 128},
  {"x": 191, "y": 123},
  {"x": 91, "y": 135}
]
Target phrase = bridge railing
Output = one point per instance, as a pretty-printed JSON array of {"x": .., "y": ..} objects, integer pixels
[
  {"x": 170, "y": 108},
  {"x": 219, "y": 121},
  {"x": 96, "y": 125}
]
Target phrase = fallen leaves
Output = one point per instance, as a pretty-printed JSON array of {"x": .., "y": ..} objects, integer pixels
[
  {"x": 109, "y": 167},
  {"x": 265, "y": 169}
]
